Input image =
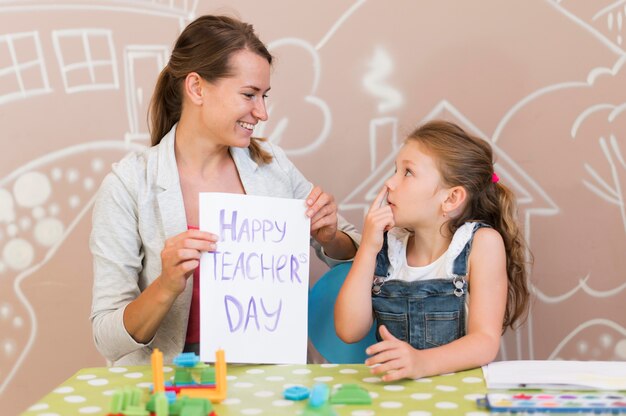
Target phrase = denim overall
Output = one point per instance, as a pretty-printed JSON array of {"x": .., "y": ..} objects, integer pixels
[{"x": 425, "y": 313}]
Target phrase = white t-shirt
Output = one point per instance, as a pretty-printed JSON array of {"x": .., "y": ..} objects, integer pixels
[{"x": 441, "y": 268}]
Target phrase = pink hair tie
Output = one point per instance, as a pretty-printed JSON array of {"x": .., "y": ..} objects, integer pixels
[{"x": 494, "y": 178}]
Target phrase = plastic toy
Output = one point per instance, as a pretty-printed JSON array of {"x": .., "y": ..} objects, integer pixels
[
  {"x": 215, "y": 393},
  {"x": 351, "y": 394},
  {"x": 195, "y": 387},
  {"x": 319, "y": 395},
  {"x": 296, "y": 393},
  {"x": 186, "y": 359},
  {"x": 318, "y": 402}
]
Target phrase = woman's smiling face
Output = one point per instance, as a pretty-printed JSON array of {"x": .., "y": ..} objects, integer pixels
[{"x": 232, "y": 106}]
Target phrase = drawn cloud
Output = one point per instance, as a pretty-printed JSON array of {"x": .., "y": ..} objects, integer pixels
[{"x": 300, "y": 121}]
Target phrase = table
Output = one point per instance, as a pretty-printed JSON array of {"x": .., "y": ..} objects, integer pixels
[{"x": 258, "y": 390}]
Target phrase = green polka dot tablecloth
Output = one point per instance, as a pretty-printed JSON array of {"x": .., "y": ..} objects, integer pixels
[{"x": 258, "y": 390}]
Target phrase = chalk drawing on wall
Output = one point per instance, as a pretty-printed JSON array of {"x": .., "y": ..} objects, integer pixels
[
  {"x": 375, "y": 81},
  {"x": 138, "y": 88},
  {"x": 599, "y": 185},
  {"x": 606, "y": 31},
  {"x": 86, "y": 59},
  {"x": 383, "y": 131},
  {"x": 22, "y": 78},
  {"x": 42, "y": 201},
  {"x": 311, "y": 98},
  {"x": 611, "y": 21},
  {"x": 28, "y": 197},
  {"x": 611, "y": 345},
  {"x": 182, "y": 10},
  {"x": 611, "y": 189},
  {"x": 611, "y": 192},
  {"x": 593, "y": 339},
  {"x": 312, "y": 102},
  {"x": 340, "y": 21}
]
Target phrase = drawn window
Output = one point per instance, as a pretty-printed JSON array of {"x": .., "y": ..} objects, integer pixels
[
  {"x": 22, "y": 68},
  {"x": 86, "y": 59}
]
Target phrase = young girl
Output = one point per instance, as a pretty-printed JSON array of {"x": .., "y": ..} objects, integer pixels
[{"x": 441, "y": 229}]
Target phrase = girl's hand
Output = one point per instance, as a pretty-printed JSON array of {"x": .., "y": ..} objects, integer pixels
[
  {"x": 323, "y": 213},
  {"x": 395, "y": 358},
  {"x": 379, "y": 219},
  {"x": 181, "y": 256}
]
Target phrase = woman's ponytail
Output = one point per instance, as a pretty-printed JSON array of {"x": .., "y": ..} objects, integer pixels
[{"x": 165, "y": 105}]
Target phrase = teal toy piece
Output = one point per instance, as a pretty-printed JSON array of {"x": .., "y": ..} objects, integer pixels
[
  {"x": 319, "y": 395},
  {"x": 296, "y": 393},
  {"x": 186, "y": 359}
]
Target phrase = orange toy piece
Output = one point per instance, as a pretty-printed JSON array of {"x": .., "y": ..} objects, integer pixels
[{"x": 157, "y": 371}]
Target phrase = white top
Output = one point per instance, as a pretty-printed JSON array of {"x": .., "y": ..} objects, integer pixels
[{"x": 441, "y": 268}]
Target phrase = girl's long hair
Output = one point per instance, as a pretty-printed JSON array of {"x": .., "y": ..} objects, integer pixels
[{"x": 467, "y": 161}]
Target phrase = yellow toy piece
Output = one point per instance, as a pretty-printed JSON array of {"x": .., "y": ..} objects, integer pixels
[{"x": 157, "y": 371}]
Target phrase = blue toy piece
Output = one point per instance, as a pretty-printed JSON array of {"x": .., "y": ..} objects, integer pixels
[
  {"x": 322, "y": 322},
  {"x": 296, "y": 393},
  {"x": 319, "y": 395},
  {"x": 171, "y": 396},
  {"x": 186, "y": 359}
]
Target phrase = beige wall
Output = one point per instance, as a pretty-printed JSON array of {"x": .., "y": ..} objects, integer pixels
[{"x": 543, "y": 81}]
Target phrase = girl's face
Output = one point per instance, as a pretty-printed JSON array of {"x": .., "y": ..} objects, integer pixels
[
  {"x": 233, "y": 106},
  {"x": 416, "y": 193}
]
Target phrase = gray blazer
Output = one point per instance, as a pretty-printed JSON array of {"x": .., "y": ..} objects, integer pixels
[{"x": 139, "y": 205}]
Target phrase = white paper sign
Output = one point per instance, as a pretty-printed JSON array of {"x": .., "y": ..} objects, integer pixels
[{"x": 254, "y": 287}]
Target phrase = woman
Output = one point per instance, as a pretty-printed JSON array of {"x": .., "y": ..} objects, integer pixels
[{"x": 145, "y": 240}]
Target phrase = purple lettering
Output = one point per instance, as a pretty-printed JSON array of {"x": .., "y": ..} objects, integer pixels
[
  {"x": 234, "y": 314},
  {"x": 248, "y": 269},
  {"x": 251, "y": 306},
  {"x": 269, "y": 315},
  {"x": 256, "y": 227},
  {"x": 283, "y": 231},
  {"x": 264, "y": 267},
  {"x": 239, "y": 266},
  {"x": 280, "y": 264},
  {"x": 295, "y": 265},
  {"x": 214, "y": 255},
  {"x": 224, "y": 265},
  {"x": 232, "y": 226},
  {"x": 267, "y": 228},
  {"x": 231, "y": 300},
  {"x": 244, "y": 231}
]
